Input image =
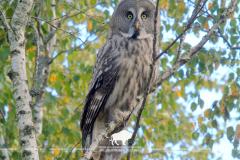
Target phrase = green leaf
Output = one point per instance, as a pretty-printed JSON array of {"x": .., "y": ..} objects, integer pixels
[
  {"x": 203, "y": 128},
  {"x": 193, "y": 106},
  {"x": 214, "y": 124},
  {"x": 180, "y": 73},
  {"x": 230, "y": 133},
  {"x": 195, "y": 135}
]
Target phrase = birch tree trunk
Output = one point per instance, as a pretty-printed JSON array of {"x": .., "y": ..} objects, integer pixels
[{"x": 17, "y": 74}]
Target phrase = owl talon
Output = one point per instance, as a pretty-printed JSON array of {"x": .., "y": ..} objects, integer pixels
[{"x": 119, "y": 115}]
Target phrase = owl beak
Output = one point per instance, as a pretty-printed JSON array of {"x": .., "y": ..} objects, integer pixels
[{"x": 137, "y": 25}]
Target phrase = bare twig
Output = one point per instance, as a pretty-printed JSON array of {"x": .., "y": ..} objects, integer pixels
[
  {"x": 188, "y": 56},
  {"x": 83, "y": 12},
  {"x": 187, "y": 27},
  {"x": 182, "y": 39},
  {"x": 33, "y": 91},
  {"x": 4, "y": 20},
  {"x": 72, "y": 149},
  {"x": 77, "y": 47},
  {"x": 225, "y": 39},
  {"x": 52, "y": 33},
  {"x": 2, "y": 114},
  {"x": 58, "y": 28}
]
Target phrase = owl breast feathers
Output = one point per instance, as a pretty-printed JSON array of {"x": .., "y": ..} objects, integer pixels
[{"x": 121, "y": 69}]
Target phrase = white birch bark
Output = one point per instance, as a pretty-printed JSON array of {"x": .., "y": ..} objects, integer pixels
[{"x": 16, "y": 39}]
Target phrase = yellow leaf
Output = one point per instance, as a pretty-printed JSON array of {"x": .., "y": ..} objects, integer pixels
[
  {"x": 193, "y": 124},
  {"x": 9, "y": 108},
  {"x": 149, "y": 129},
  {"x": 206, "y": 25},
  {"x": 147, "y": 137},
  {"x": 56, "y": 152},
  {"x": 231, "y": 16},
  {"x": 48, "y": 158},
  {"x": 200, "y": 119},
  {"x": 216, "y": 65},
  {"x": 53, "y": 77},
  {"x": 164, "y": 122},
  {"x": 178, "y": 92},
  {"x": 237, "y": 133},
  {"x": 209, "y": 5},
  {"x": 165, "y": 5},
  {"x": 181, "y": 6},
  {"x": 73, "y": 155},
  {"x": 81, "y": 153},
  {"x": 89, "y": 25},
  {"x": 67, "y": 100},
  {"x": 206, "y": 113},
  {"x": 222, "y": 104},
  {"x": 44, "y": 53},
  {"x": 9, "y": 58},
  {"x": 32, "y": 49},
  {"x": 160, "y": 144},
  {"x": 234, "y": 90}
]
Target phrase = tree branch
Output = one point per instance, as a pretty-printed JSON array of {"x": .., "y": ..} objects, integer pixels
[
  {"x": 83, "y": 12},
  {"x": 182, "y": 39},
  {"x": 77, "y": 47},
  {"x": 55, "y": 29},
  {"x": 225, "y": 39},
  {"x": 188, "y": 56},
  {"x": 33, "y": 91},
  {"x": 4, "y": 20},
  {"x": 51, "y": 34},
  {"x": 192, "y": 19}
]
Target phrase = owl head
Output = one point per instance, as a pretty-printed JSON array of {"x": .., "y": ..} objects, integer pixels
[{"x": 134, "y": 19}]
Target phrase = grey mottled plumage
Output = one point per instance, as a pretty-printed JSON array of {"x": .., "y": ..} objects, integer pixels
[{"x": 120, "y": 72}]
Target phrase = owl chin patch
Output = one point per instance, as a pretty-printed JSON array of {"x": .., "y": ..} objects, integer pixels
[{"x": 136, "y": 34}]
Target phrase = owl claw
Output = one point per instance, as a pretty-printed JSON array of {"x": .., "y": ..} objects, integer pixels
[{"x": 119, "y": 116}]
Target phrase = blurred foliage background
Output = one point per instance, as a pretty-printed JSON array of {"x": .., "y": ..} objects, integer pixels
[{"x": 175, "y": 118}]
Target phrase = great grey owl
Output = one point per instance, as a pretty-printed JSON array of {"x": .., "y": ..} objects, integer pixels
[{"x": 120, "y": 73}]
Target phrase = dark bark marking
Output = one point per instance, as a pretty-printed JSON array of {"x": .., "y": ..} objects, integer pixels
[
  {"x": 15, "y": 52},
  {"x": 12, "y": 74},
  {"x": 23, "y": 143},
  {"x": 28, "y": 130},
  {"x": 26, "y": 153}
]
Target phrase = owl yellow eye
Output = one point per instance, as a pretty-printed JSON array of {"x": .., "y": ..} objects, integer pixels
[
  {"x": 129, "y": 15},
  {"x": 144, "y": 16}
]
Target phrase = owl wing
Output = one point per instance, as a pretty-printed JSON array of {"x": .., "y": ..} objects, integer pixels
[{"x": 102, "y": 83}]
